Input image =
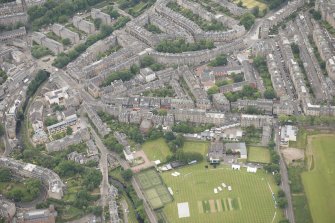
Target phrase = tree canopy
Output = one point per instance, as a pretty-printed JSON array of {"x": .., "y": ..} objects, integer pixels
[
  {"x": 247, "y": 20},
  {"x": 180, "y": 45},
  {"x": 220, "y": 60}
]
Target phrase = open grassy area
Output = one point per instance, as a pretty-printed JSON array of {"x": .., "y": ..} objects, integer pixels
[
  {"x": 196, "y": 146},
  {"x": 159, "y": 150},
  {"x": 252, "y": 3},
  {"x": 156, "y": 149},
  {"x": 249, "y": 201},
  {"x": 259, "y": 154},
  {"x": 319, "y": 182}
]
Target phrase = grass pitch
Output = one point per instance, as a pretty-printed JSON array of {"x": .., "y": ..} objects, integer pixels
[
  {"x": 196, "y": 146},
  {"x": 252, "y": 3},
  {"x": 159, "y": 150},
  {"x": 259, "y": 154},
  {"x": 249, "y": 201},
  {"x": 319, "y": 183},
  {"x": 156, "y": 149}
]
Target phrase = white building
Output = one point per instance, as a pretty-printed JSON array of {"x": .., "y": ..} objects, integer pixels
[
  {"x": 147, "y": 74},
  {"x": 288, "y": 133},
  {"x": 57, "y": 96},
  {"x": 128, "y": 154}
]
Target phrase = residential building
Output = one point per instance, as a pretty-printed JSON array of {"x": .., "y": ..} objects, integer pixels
[
  {"x": 13, "y": 34},
  {"x": 51, "y": 44},
  {"x": 62, "y": 126},
  {"x": 147, "y": 74},
  {"x": 98, "y": 14},
  {"x": 83, "y": 25},
  {"x": 65, "y": 33}
]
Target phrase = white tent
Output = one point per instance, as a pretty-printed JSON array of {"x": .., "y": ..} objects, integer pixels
[
  {"x": 251, "y": 169},
  {"x": 236, "y": 167}
]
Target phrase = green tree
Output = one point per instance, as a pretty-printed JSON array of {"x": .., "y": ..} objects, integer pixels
[
  {"x": 281, "y": 193},
  {"x": 16, "y": 194},
  {"x": 146, "y": 61},
  {"x": 39, "y": 51},
  {"x": 269, "y": 93},
  {"x": 295, "y": 48},
  {"x": 317, "y": 15},
  {"x": 169, "y": 136},
  {"x": 282, "y": 202},
  {"x": 277, "y": 178},
  {"x": 33, "y": 187},
  {"x": 213, "y": 90},
  {"x": 69, "y": 130},
  {"x": 247, "y": 20},
  {"x": 92, "y": 179},
  {"x": 127, "y": 174},
  {"x": 255, "y": 11},
  {"x": 97, "y": 23},
  {"x": 220, "y": 60},
  {"x": 67, "y": 168},
  {"x": 50, "y": 121},
  {"x": 66, "y": 41},
  {"x": 5, "y": 175}
]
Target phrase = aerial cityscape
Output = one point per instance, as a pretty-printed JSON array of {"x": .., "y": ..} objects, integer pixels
[{"x": 167, "y": 111}]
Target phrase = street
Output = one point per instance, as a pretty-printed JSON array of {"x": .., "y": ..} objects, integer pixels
[{"x": 284, "y": 178}]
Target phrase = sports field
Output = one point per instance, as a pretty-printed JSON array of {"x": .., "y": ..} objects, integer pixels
[
  {"x": 156, "y": 149},
  {"x": 250, "y": 199},
  {"x": 155, "y": 191},
  {"x": 252, "y": 3},
  {"x": 319, "y": 183},
  {"x": 159, "y": 150},
  {"x": 259, "y": 154},
  {"x": 196, "y": 146}
]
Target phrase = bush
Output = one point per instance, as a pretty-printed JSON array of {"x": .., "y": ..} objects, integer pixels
[
  {"x": 38, "y": 51},
  {"x": 282, "y": 203}
]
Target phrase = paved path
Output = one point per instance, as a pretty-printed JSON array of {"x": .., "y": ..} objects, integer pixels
[{"x": 124, "y": 206}]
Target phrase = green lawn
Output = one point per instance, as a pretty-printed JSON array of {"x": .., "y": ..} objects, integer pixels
[
  {"x": 252, "y": 3},
  {"x": 159, "y": 150},
  {"x": 319, "y": 183},
  {"x": 156, "y": 149},
  {"x": 259, "y": 154},
  {"x": 196, "y": 146},
  {"x": 249, "y": 201}
]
